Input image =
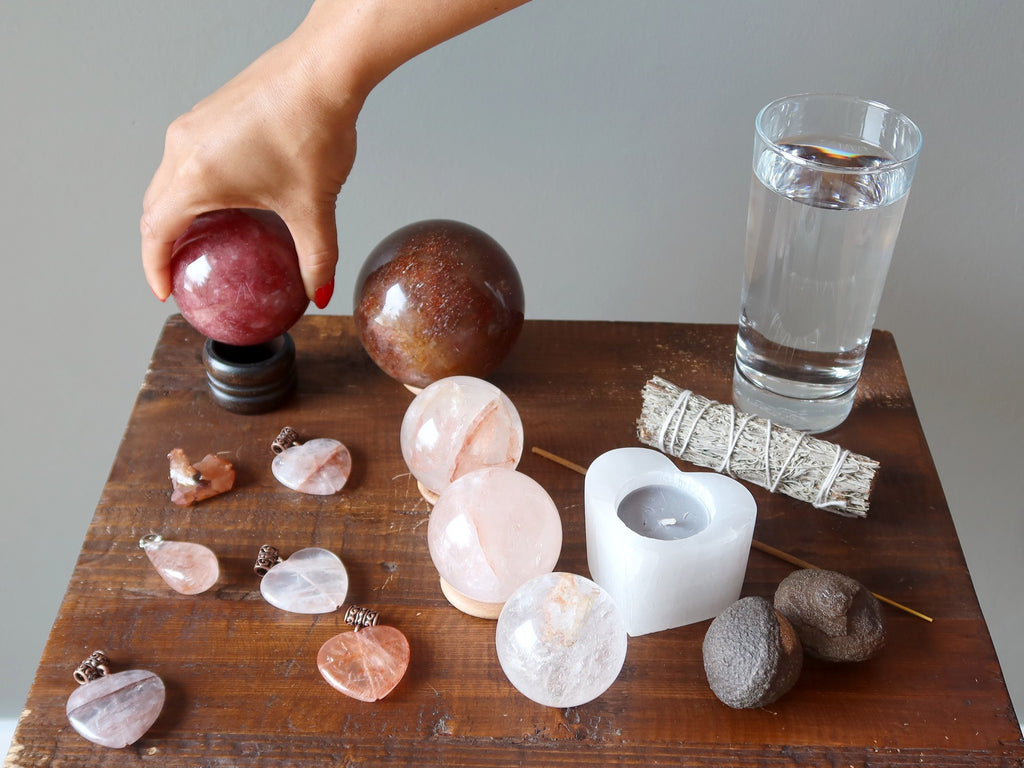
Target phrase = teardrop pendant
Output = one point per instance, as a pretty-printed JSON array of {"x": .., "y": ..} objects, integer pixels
[
  {"x": 186, "y": 567},
  {"x": 114, "y": 710}
]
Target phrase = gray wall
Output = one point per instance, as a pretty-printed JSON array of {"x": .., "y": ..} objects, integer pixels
[{"x": 605, "y": 144}]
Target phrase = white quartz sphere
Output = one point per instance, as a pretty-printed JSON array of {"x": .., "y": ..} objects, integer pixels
[
  {"x": 458, "y": 424},
  {"x": 491, "y": 530},
  {"x": 561, "y": 640}
]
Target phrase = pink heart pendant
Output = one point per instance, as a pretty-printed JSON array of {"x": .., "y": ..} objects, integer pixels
[
  {"x": 114, "y": 710},
  {"x": 320, "y": 467},
  {"x": 312, "y": 580},
  {"x": 366, "y": 664}
]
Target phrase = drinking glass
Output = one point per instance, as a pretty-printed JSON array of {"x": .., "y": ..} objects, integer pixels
[{"x": 831, "y": 175}]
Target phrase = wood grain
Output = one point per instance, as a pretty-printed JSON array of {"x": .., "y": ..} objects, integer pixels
[{"x": 243, "y": 687}]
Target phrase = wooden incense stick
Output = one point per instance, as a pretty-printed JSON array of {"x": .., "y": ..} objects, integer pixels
[{"x": 767, "y": 549}]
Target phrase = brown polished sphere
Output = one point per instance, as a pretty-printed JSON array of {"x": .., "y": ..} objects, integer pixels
[{"x": 438, "y": 298}]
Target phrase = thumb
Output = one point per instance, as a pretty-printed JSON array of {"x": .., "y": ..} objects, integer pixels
[
  {"x": 159, "y": 231},
  {"x": 316, "y": 241}
]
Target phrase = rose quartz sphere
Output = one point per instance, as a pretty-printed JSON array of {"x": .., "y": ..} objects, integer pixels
[
  {"x": 236, "y": 276},
  {"x": 492, "y": 530},
  {"x": 457, "y": 425},
  {"x": 438, "y": 298}
]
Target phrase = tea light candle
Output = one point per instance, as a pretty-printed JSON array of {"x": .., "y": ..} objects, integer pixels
[{"x": 670, "y": 547}]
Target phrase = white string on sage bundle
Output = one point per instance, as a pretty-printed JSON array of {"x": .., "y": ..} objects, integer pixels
[{"x": 716, "y": 435}]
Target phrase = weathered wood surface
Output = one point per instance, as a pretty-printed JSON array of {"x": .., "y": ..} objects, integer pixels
[{"x": 243, "y": 687}]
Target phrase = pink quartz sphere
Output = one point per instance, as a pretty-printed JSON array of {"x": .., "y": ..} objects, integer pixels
[
  {"x": 236, "y": 276},
  {"x": 457, "y": 425},
  {"x": 492, "y": 530},
  {"x": 438, "y": 298}
]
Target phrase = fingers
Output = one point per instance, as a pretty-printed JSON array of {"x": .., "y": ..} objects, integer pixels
[
  {"x": 316, "y": 241},
  {"x": 158, "y": 235},
  {"x": 166, "y": 213}
]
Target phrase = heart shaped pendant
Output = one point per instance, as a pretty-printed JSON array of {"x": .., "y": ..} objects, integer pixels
[
  {"x": 186, "y": 567},
  {"x": 312, "y": 580},
  {"x": 114, "y": 710},
  {"x": 320, "y": 467},
  {"x": 367, "y": 663}
]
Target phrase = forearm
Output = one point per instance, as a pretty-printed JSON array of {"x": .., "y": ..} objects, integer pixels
[
  {"x": 281, "y": 135},
  {"x": 354, "y": 44}
]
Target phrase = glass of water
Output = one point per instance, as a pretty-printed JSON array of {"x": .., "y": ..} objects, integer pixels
[{"x": 831, "y": 175}]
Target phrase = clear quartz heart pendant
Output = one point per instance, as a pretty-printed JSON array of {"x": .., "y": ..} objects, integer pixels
[
  {"x": 186, "y": 567},
  {"x": 320, "y": 467},
  {"x": 312, "y": 580},
  {"x": 366, "y": 663},
  {"x": 114, "y": 710}
]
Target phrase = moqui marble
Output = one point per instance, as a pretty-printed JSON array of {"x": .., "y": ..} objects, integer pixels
[
  {"x": 457, "y": 425},
  {"x": 490, "y": 531},
  {"x": 186, "y": 567},
  {"x": 835, "y": 616},
  {"x": 365, "y": 664},
  {"x": 560, "y": 640},
  {"x": 312, "y": 580},
  {"x": 438, "y": 298},
  {"x": 236, "y": 276},
  {"x": 752, "y": 655},
  {"x": 320, "y": 466},
  {"x": 116, "y": 710}
]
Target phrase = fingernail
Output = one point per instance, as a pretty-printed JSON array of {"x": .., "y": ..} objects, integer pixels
[{"x": 323, "y": 294}]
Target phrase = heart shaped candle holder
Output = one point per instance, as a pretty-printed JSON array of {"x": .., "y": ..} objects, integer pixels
[{"x": 669, "y": 546}]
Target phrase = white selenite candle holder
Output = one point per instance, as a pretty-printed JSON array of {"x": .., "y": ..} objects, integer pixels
[{"x": 669, "y": 546}]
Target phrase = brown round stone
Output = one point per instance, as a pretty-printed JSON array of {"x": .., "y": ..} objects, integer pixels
[
  {"x": 752, "y": 655},
  {"x": 836, "y": 618},
  {"x": 438, "y": 298}
]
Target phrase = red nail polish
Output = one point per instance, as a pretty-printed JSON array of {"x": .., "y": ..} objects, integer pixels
[{"x": 323, "y": 294}]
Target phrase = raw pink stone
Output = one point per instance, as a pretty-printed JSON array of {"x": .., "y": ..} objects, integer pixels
[
  {"x": 366, "y": 664},
  {"x": 457, "y": 425},
  {"x": 319, "y": 466},
  {"x": 236, "y": 276},
  {"x": 492, "y": 530},
  {"x": 186, "y": 567},
  {"x": 116, "y": 710},
  {"x": 209, "y": 477}
]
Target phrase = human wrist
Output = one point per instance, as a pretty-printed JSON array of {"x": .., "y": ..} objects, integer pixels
[{"x": 336, "y": 47}]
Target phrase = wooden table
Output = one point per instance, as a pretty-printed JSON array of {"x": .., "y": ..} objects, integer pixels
[{"x": 242, "y": 684}]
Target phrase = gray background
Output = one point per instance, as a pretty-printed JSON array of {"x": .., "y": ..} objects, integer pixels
[{"x": 605, "y": 144}]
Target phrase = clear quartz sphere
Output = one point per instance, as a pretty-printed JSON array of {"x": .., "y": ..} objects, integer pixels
[
  {"x": 456, "y": 425},
  {"x": 492, "y": 530},
  {"x": 561, "y": 640}
]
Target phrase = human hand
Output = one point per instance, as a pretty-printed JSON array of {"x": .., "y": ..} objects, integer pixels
[
  {"x": 276, "y": 137},
  {"x": 281, "y": 135}
]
